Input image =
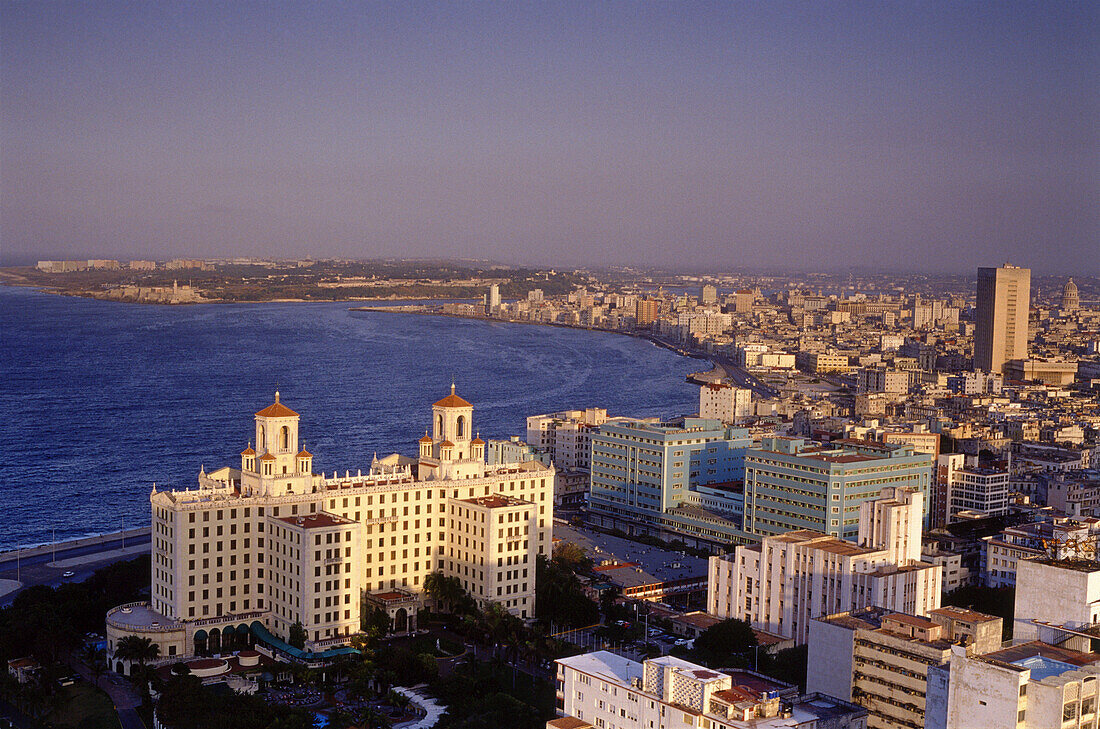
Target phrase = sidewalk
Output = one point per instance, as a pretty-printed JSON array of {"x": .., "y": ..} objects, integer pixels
[
  {"x": 9, "y": 586},
  {"x": 114, "y": 554}
]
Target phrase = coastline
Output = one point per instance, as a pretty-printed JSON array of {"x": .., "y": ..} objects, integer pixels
[
  {"x": 722, "y": 368},
  {"x": 682, "y": 351}
]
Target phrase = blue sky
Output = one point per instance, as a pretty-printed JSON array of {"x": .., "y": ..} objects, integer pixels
[{"x": 900, "y": 136}]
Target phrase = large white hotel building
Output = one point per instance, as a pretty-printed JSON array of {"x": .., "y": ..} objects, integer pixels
[{"x": 257, "y": 549}]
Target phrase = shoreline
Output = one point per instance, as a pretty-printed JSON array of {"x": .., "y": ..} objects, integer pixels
[
  {"x": 731, "y": 371},
  {"x": 54, "y": 291},
  {"x": 683, "y": 352}
]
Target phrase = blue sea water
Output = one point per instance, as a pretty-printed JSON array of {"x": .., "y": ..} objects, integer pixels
[{"x": 102, "y": 399}]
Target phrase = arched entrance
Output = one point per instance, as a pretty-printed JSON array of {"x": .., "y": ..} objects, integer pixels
[
  {"x": 215, "y": 643},
  {"x": 119, "y": 668},
  {"x": 201, "y": 643},
  {"x": 401, "y": 621}
]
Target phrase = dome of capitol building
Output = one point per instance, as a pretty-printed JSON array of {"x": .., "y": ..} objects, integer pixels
[{"x": 1070, "y": 299}]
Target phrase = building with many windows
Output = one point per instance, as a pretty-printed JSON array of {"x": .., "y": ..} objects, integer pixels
[
  {"x": 271, "y": 545},
  {"x": 718, "y": 401},
  {"x": 793, "y": 484},
  {"x": 678, "y": 479},
  {"x": 780, "y": 584},
  {"x": 603, "y": 690},
  {"x": 1004, "y": 298},
  {"x": 880, "y": 659},
  {"x": 976, "y": 489}
]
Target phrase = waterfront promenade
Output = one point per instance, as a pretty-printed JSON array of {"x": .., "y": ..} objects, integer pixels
[
  {"x": 740, "y": 376},
  {"x": 47, "y": 564}
]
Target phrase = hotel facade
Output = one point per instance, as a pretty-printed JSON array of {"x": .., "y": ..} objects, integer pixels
[{"x": 256, "y": 550}]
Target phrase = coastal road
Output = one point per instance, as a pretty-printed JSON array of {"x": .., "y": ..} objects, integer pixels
[{"x": 46, "y": 565}]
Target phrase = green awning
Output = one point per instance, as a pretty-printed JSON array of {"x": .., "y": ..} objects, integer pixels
[{"x": 200, "y": 634}]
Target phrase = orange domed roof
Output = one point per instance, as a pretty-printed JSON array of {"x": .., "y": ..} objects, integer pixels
[
  {"x": 267, "y": 457},
  {"x": 305, "y": 454},
  {"x": 452, "y": 401},
  {"x": 446, "y": 444},
  {"x": 426, "y": 439},
  {"x": 277, "y": 410},
  {"x": 477, "y": 441},
  {"x": 248, "y": 451}
]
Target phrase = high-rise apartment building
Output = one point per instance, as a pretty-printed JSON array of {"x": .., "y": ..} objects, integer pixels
[
  {"x": 492, "y": 299},
  {"x": 1004, "y": 297}
]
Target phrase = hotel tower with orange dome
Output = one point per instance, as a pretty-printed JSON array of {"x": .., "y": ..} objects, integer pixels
[{"x": 257, "y": 550}]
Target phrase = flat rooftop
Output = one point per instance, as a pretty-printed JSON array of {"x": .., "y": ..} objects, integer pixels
[
  {"x": 496, "y": 501},
  {"x": 1018, "y": 653},
  {"x": 958, "y": 613},
  {"x": 322, "y": 520},
  {"x": 606, "y": 665}
]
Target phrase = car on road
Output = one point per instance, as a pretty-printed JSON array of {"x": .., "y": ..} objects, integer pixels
[{"x": 67, "y": 574}]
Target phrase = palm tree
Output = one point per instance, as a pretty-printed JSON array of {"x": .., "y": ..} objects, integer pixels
[
  {"x": 137, "y": 648},
  {"x": 447, "y": 591}
]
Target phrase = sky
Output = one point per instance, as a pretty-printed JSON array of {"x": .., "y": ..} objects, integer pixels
[{"x": 895, "y": 136}]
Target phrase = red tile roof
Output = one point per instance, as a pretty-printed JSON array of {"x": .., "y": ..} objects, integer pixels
[{"x": 276, "y": 410}]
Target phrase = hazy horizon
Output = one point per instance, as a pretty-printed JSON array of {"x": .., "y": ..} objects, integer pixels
[{"x": 893, "y": 137}]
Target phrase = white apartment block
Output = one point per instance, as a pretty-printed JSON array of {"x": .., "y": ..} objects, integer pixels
[
  {"x": 783, "y": 582},
  {"x": 271, "y": 544},
  {"x": 723, "y": 402},
  {"x": 566, "y": 436},
  {"x": 603, "y": 690}
]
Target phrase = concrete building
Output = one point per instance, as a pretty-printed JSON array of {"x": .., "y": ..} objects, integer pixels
[
  {"x": 708, "y": 294},
  {"x": 876, "y": 379},
  {"x": 674, "y": 479},
  {"x": 793, "y": 484},
  {"x": 492, "y": 299},
  {"x": 1058, "y": 538},
  {"x": 880, "y": 659},
  {"x": 718, "y": 401},
  {"x": 974, "y": 489},
  {"x": 646, "y": 312},
  {"x": 566, "y": 436},
  {"x": 782, "y": 583},
  {"x": 1027, "y": 686},
  {"x": 1049, "y": 372},
  {"x": 1004, "y": 298},
  {"x": 1052, "y": 593},
  {"x": 602, "y": 690},
  {"x": 257, "y": 549}
]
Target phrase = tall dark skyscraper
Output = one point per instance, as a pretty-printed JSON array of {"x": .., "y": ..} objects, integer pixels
[{"x": 1004, "y": 296}]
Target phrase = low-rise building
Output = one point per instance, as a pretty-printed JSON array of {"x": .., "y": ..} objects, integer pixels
[
  {"x": 1028, "y": 686},
  {"x": 603, "y": 690},
  {"x": 880, "y": 659}
]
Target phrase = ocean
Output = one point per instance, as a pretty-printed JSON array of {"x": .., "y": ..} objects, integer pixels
[{"x": 102, "y": 399}]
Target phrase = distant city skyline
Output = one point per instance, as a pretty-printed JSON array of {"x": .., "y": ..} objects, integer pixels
[{"x": 686, "y": 136}]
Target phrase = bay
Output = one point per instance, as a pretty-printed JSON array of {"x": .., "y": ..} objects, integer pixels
[{"x": 102, "y": 399}]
